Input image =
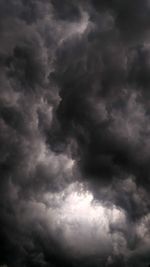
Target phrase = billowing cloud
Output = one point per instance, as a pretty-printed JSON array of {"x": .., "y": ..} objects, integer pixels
[{"x": 74, "y": 133}]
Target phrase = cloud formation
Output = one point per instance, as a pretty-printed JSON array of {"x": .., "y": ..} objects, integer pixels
[{"x": 74, "y": 133}]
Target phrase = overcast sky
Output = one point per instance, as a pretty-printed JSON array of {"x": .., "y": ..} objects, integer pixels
[{"x": 74, "y": 133}]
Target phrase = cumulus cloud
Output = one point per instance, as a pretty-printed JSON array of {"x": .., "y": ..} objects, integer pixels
[{"x": 74, "y": 133}]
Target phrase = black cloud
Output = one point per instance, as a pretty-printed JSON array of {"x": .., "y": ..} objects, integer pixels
[{"x": 74, "y": 110}]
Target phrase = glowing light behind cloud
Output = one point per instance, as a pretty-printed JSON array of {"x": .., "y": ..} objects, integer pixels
[{"x": 83, "y": 222}]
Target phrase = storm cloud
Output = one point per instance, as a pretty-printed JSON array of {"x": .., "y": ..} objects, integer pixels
[{"x": 74, "y": 133}]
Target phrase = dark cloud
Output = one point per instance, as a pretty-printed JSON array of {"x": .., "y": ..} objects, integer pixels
[
  {"x": 74, "y": 133},
  {"x": 66, "y": 10}
]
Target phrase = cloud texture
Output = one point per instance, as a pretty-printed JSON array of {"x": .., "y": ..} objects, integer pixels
[{"x": 74, "y": 133}]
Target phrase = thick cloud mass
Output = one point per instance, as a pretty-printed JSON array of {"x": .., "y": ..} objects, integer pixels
[{"x": 74, "y": 133}]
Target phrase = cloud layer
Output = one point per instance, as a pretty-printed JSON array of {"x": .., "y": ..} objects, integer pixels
[{"x": 74, "y": 133}]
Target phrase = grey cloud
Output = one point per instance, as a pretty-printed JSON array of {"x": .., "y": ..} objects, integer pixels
[{"x": 74, "y": 108}]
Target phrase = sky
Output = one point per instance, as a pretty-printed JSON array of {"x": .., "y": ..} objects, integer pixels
[{"x": 74, "y": 133}]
